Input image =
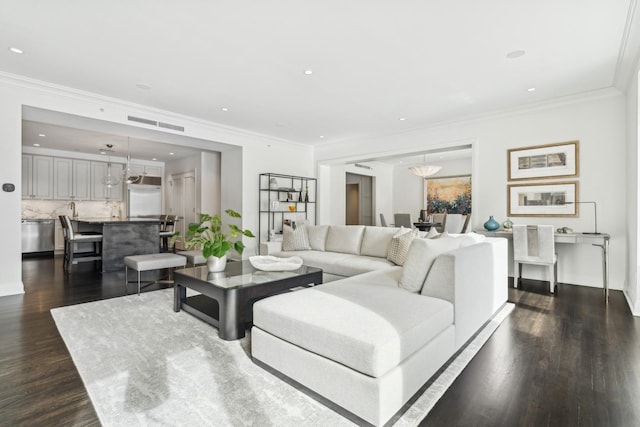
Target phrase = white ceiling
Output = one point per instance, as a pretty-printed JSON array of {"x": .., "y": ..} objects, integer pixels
[{"x": 373, "y": 61}]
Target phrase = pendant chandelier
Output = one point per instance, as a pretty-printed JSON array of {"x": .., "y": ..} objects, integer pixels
[
  {"x": 109, "y": 179},
  {"x": 425, "y": 170},
  {"x": 128, "y": 175}
]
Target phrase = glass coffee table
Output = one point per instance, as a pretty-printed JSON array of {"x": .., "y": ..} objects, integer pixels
[{"x": 226, "y": 298}]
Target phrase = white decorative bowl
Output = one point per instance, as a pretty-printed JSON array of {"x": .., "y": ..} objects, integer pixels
[{"x": 272, "y": 263}]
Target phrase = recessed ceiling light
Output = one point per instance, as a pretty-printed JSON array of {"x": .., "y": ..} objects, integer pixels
[
  {"x": 36, "y": 145},
  {"x": 515, "y": 54},
  {"x": 308, "y": 72},
  {"x": 531, "y": 89},
  {"x": 42, "y": 135},
  {"x": 154, "y": 158},
  {"x": 103, "y": 152},
  {"x": 321, "y": 136},
  {"x": 16, "y": 50},
  {"x": 143, "y": 86},
  {"x": 171, "y": 154},
  {"x": 402, "y": 119},
  {"x": 224, "y": 109}
]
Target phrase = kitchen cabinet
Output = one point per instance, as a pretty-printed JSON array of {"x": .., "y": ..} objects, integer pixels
[
  {"x": 71, "y": 179},
  {"x": 99, "y": 191},
  {"x": 37, "y": 177}
]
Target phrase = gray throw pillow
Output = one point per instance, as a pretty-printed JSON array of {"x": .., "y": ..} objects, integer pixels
[{"x": 295, "y": 240}]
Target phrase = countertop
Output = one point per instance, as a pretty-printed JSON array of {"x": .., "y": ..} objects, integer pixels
[{"x": 107, "y": 220}]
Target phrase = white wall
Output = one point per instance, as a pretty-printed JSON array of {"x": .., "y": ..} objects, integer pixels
[
  {"x": 596, "y": 119},
  {"x": 260, "y": 153}
]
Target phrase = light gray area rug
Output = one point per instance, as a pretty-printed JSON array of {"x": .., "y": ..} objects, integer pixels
[{"x": 144, "y": 365}]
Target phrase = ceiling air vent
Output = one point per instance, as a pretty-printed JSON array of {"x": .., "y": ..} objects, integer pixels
[
  {"x": 358, "y": 165},
  {"x": 141, "y": 120},
  {"x": 170, "y": 126},
  {"x": 155, "y": 123}
]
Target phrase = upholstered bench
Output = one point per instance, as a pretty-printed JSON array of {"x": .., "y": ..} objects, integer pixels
[
  {"x": 193, "y": 257},
  {"x": 148, "y": 262}
]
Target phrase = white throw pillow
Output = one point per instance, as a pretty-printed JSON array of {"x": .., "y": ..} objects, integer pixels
[
  {"x": 399, "y": 245},
  {"x": 433, "y": 233},
  {"x": 295, "y": 240},
  {"x": 421, "y": 255}
]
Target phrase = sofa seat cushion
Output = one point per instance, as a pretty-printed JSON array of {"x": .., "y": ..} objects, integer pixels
[
  {"x": 368, "y": 327},
  {"x": 339, "y": 264}
]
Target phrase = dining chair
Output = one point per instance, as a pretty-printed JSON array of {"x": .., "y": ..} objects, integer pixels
[
  {"x": 439, "y": 218},
  {"x": 453, "y": 223},
  {"x": 403, "y": 220},
  {"x": 534, "y": 244},
  {"x": 383, "y": 221},
  {"x": 72, "y": 239},
  {"x": 467, "y": 224}
]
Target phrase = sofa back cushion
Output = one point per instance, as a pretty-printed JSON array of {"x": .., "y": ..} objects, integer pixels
[
  {"x": 345, "y": 239},
  {"x": 422, "y": 253},
  {"x": 376, "y": 241},
  {"x": 317, "y": 236}
]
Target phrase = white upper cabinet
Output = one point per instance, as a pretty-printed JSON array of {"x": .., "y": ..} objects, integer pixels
[
  {"x": 71, "y": 179},
  {"x": 146, "y": 170},
  {"x": 37, "y": 177}
]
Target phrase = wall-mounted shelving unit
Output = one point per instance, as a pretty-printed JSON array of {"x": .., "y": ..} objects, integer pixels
[{"x": 284, "y": 198}]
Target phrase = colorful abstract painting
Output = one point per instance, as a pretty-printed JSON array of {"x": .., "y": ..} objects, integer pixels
[{"x": 448, "y": 194}]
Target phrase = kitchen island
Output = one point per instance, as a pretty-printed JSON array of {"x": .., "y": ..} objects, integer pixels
[{"x": 122, "y": 237}]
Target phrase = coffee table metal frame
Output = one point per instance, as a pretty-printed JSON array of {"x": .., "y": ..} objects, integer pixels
[{"x": 235, "y": 290}]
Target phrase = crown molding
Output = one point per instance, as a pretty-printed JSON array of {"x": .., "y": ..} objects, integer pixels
[
  {"x": 23, "y": 82},
  {"x": 629, "y": 52}
]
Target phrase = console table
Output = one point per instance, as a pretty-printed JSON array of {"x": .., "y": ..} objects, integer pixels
[{"x": 600, "y": 240}]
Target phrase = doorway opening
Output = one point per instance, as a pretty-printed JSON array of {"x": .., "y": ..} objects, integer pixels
[{"x": 359, "y": 199}]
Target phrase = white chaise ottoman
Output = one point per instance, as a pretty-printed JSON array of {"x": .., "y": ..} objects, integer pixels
[{"x": 365, "y": 347}]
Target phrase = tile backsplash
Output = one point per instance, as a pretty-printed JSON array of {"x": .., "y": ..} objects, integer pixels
[{"x": 41, "y": 209}]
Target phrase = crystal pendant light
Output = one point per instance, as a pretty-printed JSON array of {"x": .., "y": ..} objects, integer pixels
[
  {"x": 110, "y": 180},
  {"x": 128, "y": 175}
]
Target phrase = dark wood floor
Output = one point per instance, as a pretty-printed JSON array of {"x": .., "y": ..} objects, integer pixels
[{"x": 556, "y": 361}]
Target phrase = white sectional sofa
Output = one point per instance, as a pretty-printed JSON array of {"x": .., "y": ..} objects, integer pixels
[
  {"x": 341, "y": 250},
  {"x": 369, "y": 342}
]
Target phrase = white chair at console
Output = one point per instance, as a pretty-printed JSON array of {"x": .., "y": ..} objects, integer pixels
[{"x": 534, "y": 244}]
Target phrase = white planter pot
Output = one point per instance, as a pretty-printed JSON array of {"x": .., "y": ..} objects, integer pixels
[{"x": 216, "y": 264}]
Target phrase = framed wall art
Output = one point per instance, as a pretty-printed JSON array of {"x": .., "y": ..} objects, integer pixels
[
  {"x": 450, "y": 194},
  {"x": 559, "y": 160},
  {"x": 542, "y": 199}
]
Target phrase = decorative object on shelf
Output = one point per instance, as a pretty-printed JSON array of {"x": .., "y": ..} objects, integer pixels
[
  {"x": 425, "y": 170},
  {"x": 272, "y": 263},
  {"x": 208, "y": 233},
  {"x": 544, "y": 161},
  {"x": 541, "y": 199},
  {"x": 273, "y": 184},
  {"x": 275, "y": 205},
  {"x": 292, "y": 208},
  {"x": 306, "y": 193},
  {"x": 507, "y": 225},
  {"x": 491, "y": 224}
]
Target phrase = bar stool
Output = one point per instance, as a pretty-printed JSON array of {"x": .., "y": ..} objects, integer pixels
[
  {"x": 71, "y": 257},
  {"x": 167, "y": 229}
]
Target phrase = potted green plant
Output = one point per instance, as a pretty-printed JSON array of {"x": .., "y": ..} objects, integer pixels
[{"x": 209, "y": 235}]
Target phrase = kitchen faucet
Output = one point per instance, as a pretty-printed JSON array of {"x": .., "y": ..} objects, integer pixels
[{"x": 72, "y": 206}]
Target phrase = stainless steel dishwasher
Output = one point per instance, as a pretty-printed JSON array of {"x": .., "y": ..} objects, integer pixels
[{"x": 38, "y": 235}]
